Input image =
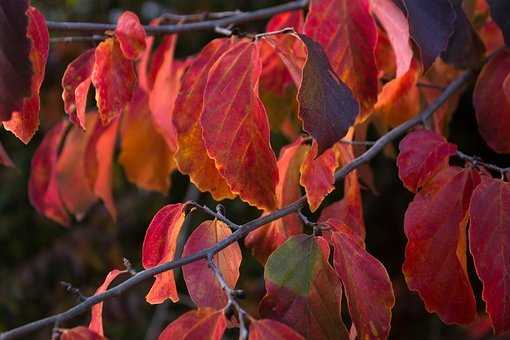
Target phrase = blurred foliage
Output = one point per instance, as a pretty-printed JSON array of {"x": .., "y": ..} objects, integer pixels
[{"x": 36, "y": 254}]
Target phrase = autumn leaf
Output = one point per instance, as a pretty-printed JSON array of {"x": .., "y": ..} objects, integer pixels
[
  {"x": 235, "y": 128},
  {"x": 432, "y": 23},
  {"x": 76, "y": 83},
  {"x": 114, "y": 78},
  {"x": 423, "y": 153},
  {"x": 202, "y": 323},
  {"x": 500, "y": 12},
  {"x": 43, "y": 190},
  {"x": 488, "y": 243},
  {"x": 491, "y": 104},
  {"x": 267, "y": 329},
  {"x": 303, "y": 290},
  {"x": 96, "y": 320},
  {"x": 191, "y": 156},
  {"x": 79, "y": 333},
  {"x": 397, "y": 29},
  {"x": 435, "y": 258},
  {"x": 203, "y": 287},
  {"x": 98, "y": 162},
  {"x": 159, "y": 247},
  {"x": 16, "y": 76},
  {"x": 347, "y": 32},
  {"x": 25, "y": 122},
  {"x": 265, "y": 240},
  {"x": 131, "y": 35},
  {"x": 369, "y": 291},
  {"x": 75, "y": 191},
  {"x": 145, "y": 155}
]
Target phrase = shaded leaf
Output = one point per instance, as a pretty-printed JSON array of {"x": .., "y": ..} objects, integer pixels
[
  {"x": 43, "y": 189},
  {"x": 366, "y": 283},
  {"x": 159, "y": 247},
  {"x": 203, "y": 287},
  {"x": 5, "y": 160},
  {"x": 191, "y": 156},
  {"x": 435, "y": 257},
  {"x": 25, "y": 122},
  {"x": 131, "y": 35},
  {"x": 489, "y": 239},
  {"x": 492, "y": 106},
  {"x": 500, "y": 12},
  {"x": 145, "y": 155},
  {"x": 235, "y": 127},
  {"x": 76, "y": 83},
  {"x": 80, "y": 333},
  {"x": 16, "y": 75},
  {"x": 303, "y": 290},
  {"x": 423, "y": 153},
  {"x": 203, "y": 323},
  {"x": 114, "y": 78},
  {"x": 347, "y": 32},
  {"x": 267, "y": 329},
  {"x": 432, "y": 23}
]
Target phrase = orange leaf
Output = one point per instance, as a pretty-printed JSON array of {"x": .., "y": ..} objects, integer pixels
[
  {"x": 98, "y": 162},
  {"x": 236, "y": 128},
  {"x": 76, "y": 83},
  {"x": 369, "y": 291},
  {"x": 191, "y": 155},
  {"x": 203, "y": 323},
  {"x": 75, "y": 190},
  {"x": 25, "y": 122},
  {"x": 348, "y": 34},
  {"x": 131, "y": 35},
  {"x": 80, "y": 333},
  {"x": 42, "y": 185},
  {"x": 96, "y": 320},
  {"x": 203, "y": 287},
  {"x": 268, "y": 329},
  {"x": 114, "y": 78},
  {"x": 435, "y": 257},
  {"x": 145, "y": 155},
  {"x": 489, "y": 239},
  {"x": 492, "y": 105},
  {"x": 159, "y": 247},
  {"x": 265, "y": 240}
]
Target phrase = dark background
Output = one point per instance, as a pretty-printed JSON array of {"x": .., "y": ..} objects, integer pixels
[{"x": 36, "y": 254}]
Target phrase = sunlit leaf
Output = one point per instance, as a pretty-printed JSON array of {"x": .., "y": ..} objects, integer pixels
[
  {"x": 203, "y": 323},
  {"x": 131, "y": 35}
]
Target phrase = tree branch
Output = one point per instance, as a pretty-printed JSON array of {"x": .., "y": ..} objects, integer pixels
[
  {"x": 244, "y": 229},
  {"x": 235, "y": 18}
]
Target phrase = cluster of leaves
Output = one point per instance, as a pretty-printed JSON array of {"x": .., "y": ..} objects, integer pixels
[{"x": 348, "y": 64}]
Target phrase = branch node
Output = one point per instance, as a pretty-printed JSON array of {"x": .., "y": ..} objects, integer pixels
[
  {"x": 129, "y": 267},
  {"x": 75, "y": 291}
]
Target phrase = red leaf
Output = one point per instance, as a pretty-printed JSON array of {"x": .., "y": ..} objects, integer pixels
[
  {"x": 16, "y": 75},
  {"x": 435, "y": 258},
  {"x": 303, "y": 291},
  {"x": 96, "y": 320},
  {"x": 75, "y": 191},
  {"x": 145, "y": 155},
  {"x": 191, "y": 156},
  {"x": 423, "y": 153},
  {"x": 348, "y": 34},
  {"x": 159, "y": 247},
  {"x": 500, "y": 12},
  {"x": 268, "y": 329},
  {"x": 292, "y": 19},
  {"x": 114, "y": 78},
  {"x": 98, "y": 162},
  {"x": 236, "y": 128},
  {"x": 265, "y": 240},
  {"x": 397, "y": 28},
  {"x": 492, "y": 106},
  {"x": 42, "y": 185},
  {"x": 489, "y": 239},
  {"x": 5, "y": 160},
  {"x": 25, "y": 122},
  {"x": 203, "y": 323},
  {"x": 203, "y": 287},
  {"x": 131, "y": 35},
  {"x": 76, "y": 83},
  {"x": 80, "y": 333},
  {"x": 367, "y": 286}
]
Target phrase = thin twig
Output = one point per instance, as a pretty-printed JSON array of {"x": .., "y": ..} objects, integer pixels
[
  {"x": 75, "y": 291},
  {"x": 182, "y": 18},
  {"x": 242, "y": 17},
  {"x": 78, "y": 39},
  {"x": 476, "y": 161},
  {"x": 244, "y": 229},
  {"x": 219, "y": 214}
]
